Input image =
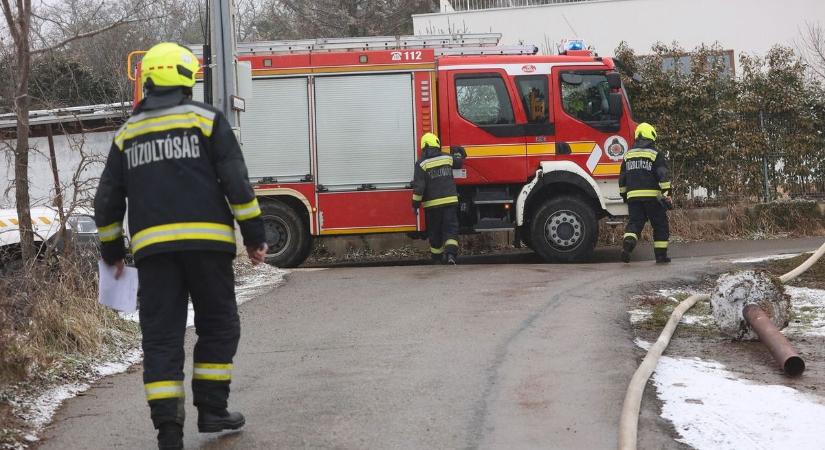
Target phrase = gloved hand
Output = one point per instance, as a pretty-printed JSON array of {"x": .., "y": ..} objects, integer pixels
[
  {"x": 458, "y": 151},
  {"x": 624, "y": 198},
  {"x": 415, "y": 205},
  {"x": 666, "y": 202}
]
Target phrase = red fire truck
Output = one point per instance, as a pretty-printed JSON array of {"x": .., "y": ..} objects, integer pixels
[{"x": 331, "y": 127}]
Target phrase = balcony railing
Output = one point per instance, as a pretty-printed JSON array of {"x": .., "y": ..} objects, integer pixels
[{"x": 474, "y": 5}]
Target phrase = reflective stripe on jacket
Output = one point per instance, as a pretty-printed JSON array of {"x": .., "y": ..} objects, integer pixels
[
  {"x": 644, "y": 173},
  {"x": 433, "y": 183},
  {"x": 183, "y": 173}
]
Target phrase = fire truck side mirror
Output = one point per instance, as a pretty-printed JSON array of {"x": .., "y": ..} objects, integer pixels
[
  {"x": 614, "y": 100},
  {"x": 614, "y": 80}
]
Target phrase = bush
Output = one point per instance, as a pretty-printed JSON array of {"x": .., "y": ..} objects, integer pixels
[{"x": 722, "y": 133}]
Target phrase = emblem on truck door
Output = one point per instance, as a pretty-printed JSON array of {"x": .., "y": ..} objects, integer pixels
[
  {"x": 528, "y": 68},
  {"x": 616, "y": 147}
]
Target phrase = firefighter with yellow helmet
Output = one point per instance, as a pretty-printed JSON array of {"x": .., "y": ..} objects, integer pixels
[
  {"x": 434, "y": 189},
  {"x": 644, "y": 184},
  {"x": 180, "y": 167}
]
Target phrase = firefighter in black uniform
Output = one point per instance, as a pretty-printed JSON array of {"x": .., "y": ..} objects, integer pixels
[
  {"x": 178, "y": 162},
  {"x": 434, "y": 188},
  {"x": 644, "y": 184}
]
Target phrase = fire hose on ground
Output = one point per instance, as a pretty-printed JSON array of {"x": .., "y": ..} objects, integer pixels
[{"x": 756, "y": 318}]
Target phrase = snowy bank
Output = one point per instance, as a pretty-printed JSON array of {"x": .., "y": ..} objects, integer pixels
[{"x": 712, "y": 408}]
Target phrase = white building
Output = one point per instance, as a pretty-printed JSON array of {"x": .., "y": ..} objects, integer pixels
[{"x": 751, "y": 26}]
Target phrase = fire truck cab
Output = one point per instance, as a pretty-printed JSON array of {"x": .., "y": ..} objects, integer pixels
[{"x": 330, "y": 136}]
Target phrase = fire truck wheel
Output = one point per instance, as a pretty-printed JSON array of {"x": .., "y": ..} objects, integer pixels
[
  {"x": 286, "y": 234},
  {"x": 564, "y": 229}
]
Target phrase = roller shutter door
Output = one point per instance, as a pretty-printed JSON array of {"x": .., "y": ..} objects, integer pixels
[
  {"x": 275, "y": 128},
  {"x": 365, "y": 130}
]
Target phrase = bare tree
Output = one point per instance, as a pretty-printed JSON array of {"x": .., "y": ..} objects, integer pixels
[
  {"x": 813, "y": 48},
  {"x": 19, "y": 21}
]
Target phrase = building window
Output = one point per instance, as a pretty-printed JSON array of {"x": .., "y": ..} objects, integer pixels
[
  {"x": 584, "y": 96},
  {"x": 684, "y": 63},
  {"x": 533, "y": 92},
  {"x": 483, "y": 100}
]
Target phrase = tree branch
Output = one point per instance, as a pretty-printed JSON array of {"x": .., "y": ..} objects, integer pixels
[{"x": 83, "y": 35}]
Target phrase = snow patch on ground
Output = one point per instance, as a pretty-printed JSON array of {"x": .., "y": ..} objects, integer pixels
[
  {"x": 807, "y": 316},
  {"x": 38, "y": 411},
  {"x": 808, "y": 311},
  {"x": 712, "y": 408},
  {"x": 758, "y": 259}
]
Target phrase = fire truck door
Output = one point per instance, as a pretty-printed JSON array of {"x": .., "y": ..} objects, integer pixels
[
  {"x": 482, "y": 118},
  {"x": 539, "y": 128},
  {"x": 366, "y": 150},
  {"x": 590, "y": 135}
]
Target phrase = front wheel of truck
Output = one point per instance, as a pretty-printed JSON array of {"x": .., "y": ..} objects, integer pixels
[{"x": 564, "y": 229}]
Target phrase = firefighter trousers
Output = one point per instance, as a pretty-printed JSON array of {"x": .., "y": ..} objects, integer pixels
[
  {"x": 442, "y": 230},
  {"x": 167, "y": 281},
  {"x": 641, "y": 211}
]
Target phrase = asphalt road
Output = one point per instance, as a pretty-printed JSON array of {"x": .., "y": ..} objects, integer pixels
[{"x": 489, "y": 354}]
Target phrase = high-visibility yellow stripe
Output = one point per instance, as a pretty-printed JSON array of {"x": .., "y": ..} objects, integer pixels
[
  {"x": 2, "y": 224},
  {"x": 477, "y": 151},
  {"x": 160, "y": 390},
  {"x": 541, "y": 149},
  {"x": 438, "y": 162},
  {"x": 640, "y": 154},
  {"x": 582, "y": 147},
  {"x": 111, "y": 232},
  {"x": 246, "y": 211},
  {"x": 370, "y": 230},
  {"x": 451, "y": 242},
  {"x": 660, "y": 244},
  {"x": 441, "y": 201},
  {"x": 212, "y": 372},
  {"x": 183, "y": 231},
  {"x": 164, "y": 123},
  {"x": 14, "y": 221},
  {"x": 436, "y": 251},
  {"x": 417, "y": 197},
  {"x": 45, "y": 220},
  {"x": 643, "y": 193},
  {"x": 665, "y": 185},
  {"x": 630, "y": 235},
  {"x": 608, "y": 169}
]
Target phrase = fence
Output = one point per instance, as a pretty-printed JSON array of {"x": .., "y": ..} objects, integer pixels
[
  {"x": 473, "y": 5},
  {"x": 740, "y": 180}
]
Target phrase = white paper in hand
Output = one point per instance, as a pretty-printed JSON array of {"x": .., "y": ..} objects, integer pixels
[{"x": 120, "y": 294}]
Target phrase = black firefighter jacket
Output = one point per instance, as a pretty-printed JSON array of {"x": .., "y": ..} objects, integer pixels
[
  {"x": 433, "y": 183},
  {"x": 178, "y": 162},
  {"x": 644, "y": 174}
]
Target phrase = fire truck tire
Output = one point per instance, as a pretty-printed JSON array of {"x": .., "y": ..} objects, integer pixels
[
  {"x": 287, "y": 234},
  {"x": 564, "y": 229}
]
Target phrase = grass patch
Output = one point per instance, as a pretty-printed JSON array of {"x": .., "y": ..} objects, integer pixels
[{"x": 49, "y": 317}]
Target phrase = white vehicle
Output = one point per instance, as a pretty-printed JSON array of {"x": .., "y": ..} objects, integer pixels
[{"x": 46, "y": 227}]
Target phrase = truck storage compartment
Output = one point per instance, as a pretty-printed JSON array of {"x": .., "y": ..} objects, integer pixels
[
  {"x": 275, "y": 129},
  {"x": 365, "y": 131}
]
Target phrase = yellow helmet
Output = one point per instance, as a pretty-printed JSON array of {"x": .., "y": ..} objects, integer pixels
[
  {"x": 168, "y": 64},
  {"x": 430, "y": 140},
  {"x": 646, "y": 131}
]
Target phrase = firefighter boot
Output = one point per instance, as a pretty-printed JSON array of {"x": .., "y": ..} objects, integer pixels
[
  {"x": 661, "y": 255},
  {"x": 451, "y": 259},
  {"x": 215, "y": 420},
  {"x": 170, "y": 436},
  {"x": 436, "y": 258},
  {"x": 628, "y": 245}
]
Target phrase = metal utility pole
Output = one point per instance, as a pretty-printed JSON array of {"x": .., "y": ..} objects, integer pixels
[{"x": 223, "y": 49}]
